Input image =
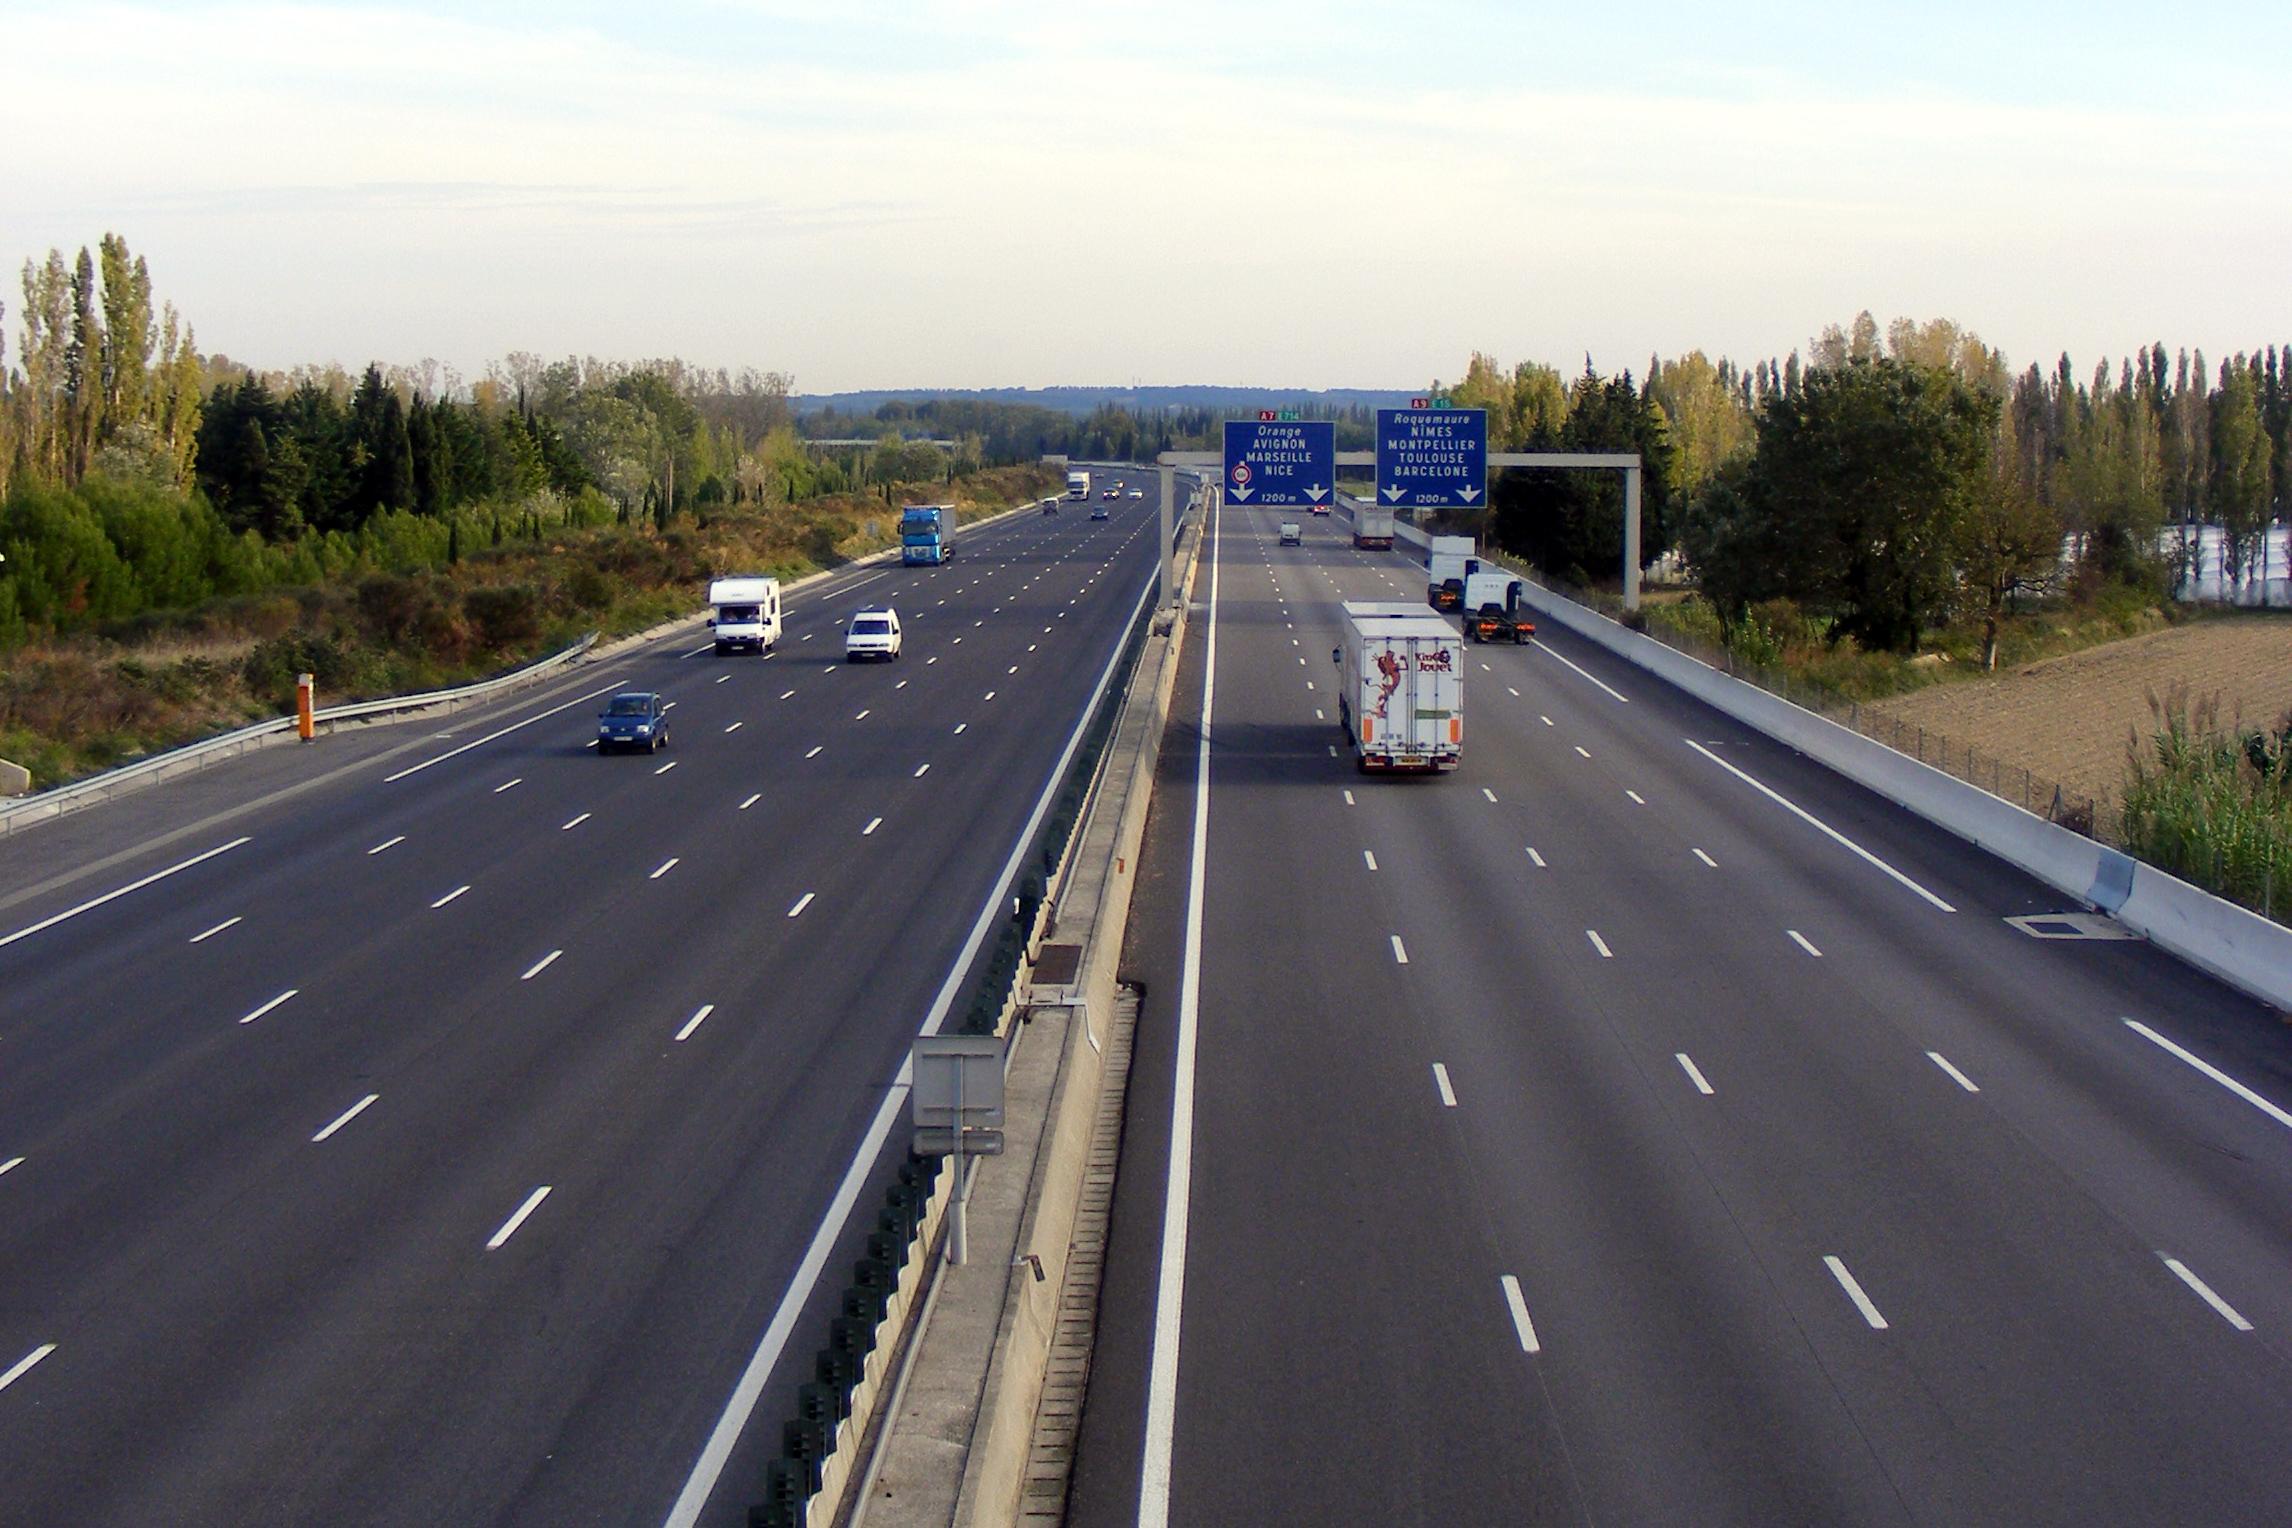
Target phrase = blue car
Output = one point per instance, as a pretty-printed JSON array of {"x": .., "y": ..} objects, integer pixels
[{"x": 633, "y": 719}]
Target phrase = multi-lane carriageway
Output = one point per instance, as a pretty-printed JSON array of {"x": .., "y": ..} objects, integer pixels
[
  {"x": 452, "y": 1126},
  {"x": 1642, "y": 1125}
]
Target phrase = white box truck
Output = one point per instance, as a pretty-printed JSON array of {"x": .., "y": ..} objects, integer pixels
[
  {"x": 1400, "y": 691},
  {"x": 745, "y": 613},
  {"x": 1449, "y": 561},
  {"x": 1372, "y": 528},
  {"x": 1078, "y": 485}
]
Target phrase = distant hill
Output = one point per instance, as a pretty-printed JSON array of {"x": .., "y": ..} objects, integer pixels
[{"x": 1082, "y": 400}]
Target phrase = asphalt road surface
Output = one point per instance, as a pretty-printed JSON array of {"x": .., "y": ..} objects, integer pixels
[
  {"x": 434, "y": 1125},
  {"x": 1644, "y": 1125}
]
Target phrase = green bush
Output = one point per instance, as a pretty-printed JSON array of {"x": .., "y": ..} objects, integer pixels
[
  {"x": 2212, "y": 807},
  {"x": 505, "y": 616}
]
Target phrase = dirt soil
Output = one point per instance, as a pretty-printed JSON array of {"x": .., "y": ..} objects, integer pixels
[{"x": 2068, "y": 718}]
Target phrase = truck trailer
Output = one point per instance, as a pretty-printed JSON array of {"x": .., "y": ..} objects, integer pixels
[
  {"x": 744, "y": 612},
  {"x": 1372, "y": 528},
  {"x": 1449, "y": 561},
  {"x": 927, "y": 534},
  {"x": 1400, "y": 691},
  {"x": 1078, "y": 485}
]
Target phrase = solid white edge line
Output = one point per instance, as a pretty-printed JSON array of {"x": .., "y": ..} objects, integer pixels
[
  {"x": 1694, "y": 1073},
  {"x": 541, "y": 965},
  {"x": 2226, "y": 1311},
  {"x": 217, "y": 929},
  {"x": 113, "y": 896},
  {"x": 345, "y": 1117},
  {"x": 1177, "y": 1199},
  {"x": 23, "y": 1366},
  {"x": 1440, "y": 1081},
  {"x": 694, "y": 1022},
  {"x": 509, "y": 1226},
  {"x": 2215, "y": 1073},
  {"x": 1847, "y": 1282},
  {"x": 1956, "y": 1076},
  {"x": 1807, "y": 817},
  {"x": 11, "y": 1165},
  {"x": 1524, "y": 1328},
  {"x": 1547, "y": 652},
  {"x": 740, "y": 1406},
  {"x": 415, "y": 769}
]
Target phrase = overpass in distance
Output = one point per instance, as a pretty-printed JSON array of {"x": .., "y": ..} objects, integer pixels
[{"x": 1641, "y": 1124}]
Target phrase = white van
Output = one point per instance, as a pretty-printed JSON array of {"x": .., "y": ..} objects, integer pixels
[{"x": 745, "y": 612}]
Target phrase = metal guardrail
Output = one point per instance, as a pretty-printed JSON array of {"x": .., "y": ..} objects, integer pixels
[{"x": 235, "y": 744}]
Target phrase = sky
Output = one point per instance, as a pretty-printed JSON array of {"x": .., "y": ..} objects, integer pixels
[{"x": 955, "y": 193}]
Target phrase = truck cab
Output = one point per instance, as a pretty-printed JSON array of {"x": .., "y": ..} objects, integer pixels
[{"x": 926, "y": 534}]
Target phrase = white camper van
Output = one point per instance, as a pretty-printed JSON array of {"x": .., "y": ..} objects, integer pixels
[{"x": 745, "y": 613}]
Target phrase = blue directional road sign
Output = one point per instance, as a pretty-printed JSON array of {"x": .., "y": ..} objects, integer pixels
[
  {"x": 1280, "y": 462},
  {"x": 1431, "y": 458}
]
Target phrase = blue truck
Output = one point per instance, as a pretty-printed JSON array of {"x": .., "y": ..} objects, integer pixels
[{"x": 926, "y": 534}]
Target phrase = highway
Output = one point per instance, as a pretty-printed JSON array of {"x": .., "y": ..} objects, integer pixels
[
  {"x": 1644, "y": 1125},
  {"x": 443, "y": 1124}
]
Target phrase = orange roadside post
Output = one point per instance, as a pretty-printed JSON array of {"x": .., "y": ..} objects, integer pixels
[{"x": 305, "y": 701}]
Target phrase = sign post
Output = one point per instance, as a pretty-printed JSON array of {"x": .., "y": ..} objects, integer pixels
[
  {"x": 1430, "y": 457},
  {"x": 1280, "y": 463},
  {"x": 957, "y": 1103}
]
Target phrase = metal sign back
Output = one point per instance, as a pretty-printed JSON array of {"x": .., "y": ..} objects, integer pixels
[{"x": 957, "y": 1070}]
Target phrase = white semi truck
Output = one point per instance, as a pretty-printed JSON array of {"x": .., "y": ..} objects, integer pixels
[
  {"x": 1449, "y": 561},
  {"x": 1400, "y": 690},
  {"x": 745, "y": 612}
]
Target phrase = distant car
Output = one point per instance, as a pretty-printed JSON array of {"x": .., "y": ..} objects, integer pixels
[
  {"x": 1111, "y": 493},
  {"x": 1291, "y": 535},
  {"x": 873, "y": 634},
  {"x": 633, "y": 719},
  {"x": 1050, "y": 506},
  {"x": 1100, "y": 512},
  {"x": 1138, "y": 493}
]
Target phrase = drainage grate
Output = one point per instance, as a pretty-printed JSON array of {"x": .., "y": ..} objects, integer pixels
[
  {"x": 1055, "y": 965},
  {"x": 2071, "y": 926}
]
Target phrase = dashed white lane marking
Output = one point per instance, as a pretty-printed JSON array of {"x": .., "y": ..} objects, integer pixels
[
  {"x": 1694, "y": 1073},
  {"x": 573, "y": 822},
  {"x": 930, "y": 660},
  {"x": 903, "y": 683},
  {"x": 666, "y": 866},
  {"x": 1518, "y": 1305},
  {"x": 1534, "y": 858},
  {"x": 1440, "y": 1081},
  {"x": 735, "y": 727},
  {"x": 872, "y": 824},
  {"x": 785, "y": 694},
  {"x": 1599, "y": 944},
  {"x": 1547, "y": 652},
  {"x": 508, "y": 785},
  {"x": 345, "y": 1117},
  {"x": 990, "y": 694},
  {"x": 1515, "y": 693},
  {"x": 1319, "y": 715},
  {"x": 387, "y": 843},
  {"x": 1636, "y": 798},
  {"x": 807, "y": 636},
  {"x": 110, "y": 896},
  {"x": 694, "y": 1022},
  {"x": 802, "y": 902},
  {"x": 751, "y": 801},
  {"x": 450, "y": 896},
  {"x": 1956, "y": 1076},
  {"x": 1370, "y": 858},
  {"x": 2222, "y": 1308},
  {"x": 1485, "y": 669},
  {"x": 721, "y": 678},
  {"x": 921, "y": 770},
  {"x": 509, "y": 1226},
  {"x": 1546, "y": 720},
  {"x": 1707, "y": 859},
  {"x": 958, "y": 642},
  {"x": 541, "y": 965},
  {"x": 1349, "y": 798},
  {"x": 1485, "y": 791},
  {"x": 863, "y": 714},
  {"x": 1801, "y": 941},
  {"x": 1013, "y": 669},
  {"x": 10, "y": 1166},
  {"x": 415, "y": 769},
  {"x": 2214, "y": 1072},
  {"x": 1819, "y": 825},
  {"x": 1854, "y": 1292},
  {"x": 665, "y": 768},
  {"x": 269, "y": 1006},
  {"x": 23, "y": 1366},
  {"x": 1400, "y": 951},
  {"x": 217, "y": 929},
  {"x": 815, "y": 753},
  {"x": 1580, "y": 748},
  {"x": 959, "y": 726}
]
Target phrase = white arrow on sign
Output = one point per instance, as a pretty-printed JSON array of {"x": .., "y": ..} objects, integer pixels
[
  {"x": 1468, "y": 494},
  {"x": 1315, "y": 492},
  {"x": 1395, "y": 494},
  {"x": 1242, "y": 493}
]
